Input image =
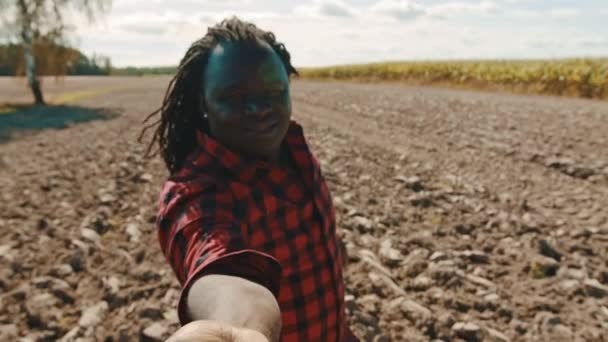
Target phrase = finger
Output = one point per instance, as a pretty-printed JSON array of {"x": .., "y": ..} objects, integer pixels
[
  {"x": 202, "y": 330},
  {"x": 248, "y": 335}
]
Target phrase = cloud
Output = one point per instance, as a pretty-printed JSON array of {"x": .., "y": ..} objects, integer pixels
[
  {"x": 469, "y": 41},
  {"x": 564, "y": 12},
  {"x": 456, "y": 8},
  {"x": 182, "y": 6},
  {"x": 350, "y": 34},
  {"x": 154, "y": 24},
  {"x": 593, "y": 43},
  {"x": 544, "y": 43},
  {"x": 401, "y": 10},
  {"x": 554, "y": 13},
  {"x": 336, "y": 9},
  {"x": 144, "y": 28},
  {"x": 244, "y": 15},
  {"x": 327, "y": 8},
  {"x": 172, "y": 23},
  {"x": 523, "y": 13},
  {"x": 322, "y": 32},
  {"x": 518, "y": 1},
  {"x": 570, "y": 42}
]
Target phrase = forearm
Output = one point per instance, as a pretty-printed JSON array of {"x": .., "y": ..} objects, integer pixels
[{"x": 235, "y": 301}]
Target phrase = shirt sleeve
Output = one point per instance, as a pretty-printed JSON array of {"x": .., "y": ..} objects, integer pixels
[{"x": 199, "y": 238}]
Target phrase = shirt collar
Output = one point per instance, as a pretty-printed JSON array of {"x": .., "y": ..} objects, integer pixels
[{"x": 244, "y": 169}]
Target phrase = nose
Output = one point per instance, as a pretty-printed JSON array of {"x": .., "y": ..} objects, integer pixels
[{"x": 257, "y": 108}]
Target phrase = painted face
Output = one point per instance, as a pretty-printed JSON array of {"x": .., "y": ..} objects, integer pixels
[{"x": 247, "y": 98}]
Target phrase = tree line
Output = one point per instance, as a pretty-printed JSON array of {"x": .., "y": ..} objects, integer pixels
[{"x": 52, "y": 59}]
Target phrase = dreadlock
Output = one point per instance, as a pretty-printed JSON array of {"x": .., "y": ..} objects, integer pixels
[{"x": 181, "y": 113}]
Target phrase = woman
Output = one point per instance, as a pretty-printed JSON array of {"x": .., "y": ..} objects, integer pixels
[{"x": 245, "y": 218}]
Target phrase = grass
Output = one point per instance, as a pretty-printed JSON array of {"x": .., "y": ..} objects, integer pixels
[
  {"x": 6, "y": 109},
  {"x": 585, "y": 77},
  {"x": 75, "y": 96}
]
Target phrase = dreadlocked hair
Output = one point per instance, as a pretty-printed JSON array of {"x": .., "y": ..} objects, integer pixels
[{"x": 180, "y": 114}]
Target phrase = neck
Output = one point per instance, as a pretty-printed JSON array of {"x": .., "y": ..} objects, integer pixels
[{"x": 272, "y": 158}]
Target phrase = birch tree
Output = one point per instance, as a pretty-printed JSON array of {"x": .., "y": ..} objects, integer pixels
[{"x": 32, "y": 20}]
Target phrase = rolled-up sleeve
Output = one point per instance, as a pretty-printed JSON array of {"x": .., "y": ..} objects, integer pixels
[{"x": 199, "y": 236}]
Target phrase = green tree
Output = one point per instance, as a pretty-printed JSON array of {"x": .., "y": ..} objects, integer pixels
[{"x": 32, "y": 20}]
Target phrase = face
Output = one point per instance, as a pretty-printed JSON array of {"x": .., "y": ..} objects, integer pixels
[{"x": 247, "y": 98}]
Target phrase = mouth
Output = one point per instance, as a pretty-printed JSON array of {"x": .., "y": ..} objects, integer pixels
[{"x": 262, "y": 128}]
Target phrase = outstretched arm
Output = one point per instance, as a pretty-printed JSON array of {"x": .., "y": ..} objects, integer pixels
[{"x": 228, "y": 308}]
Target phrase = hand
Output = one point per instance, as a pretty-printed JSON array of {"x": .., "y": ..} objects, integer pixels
[{"x": 213, "y": 331}]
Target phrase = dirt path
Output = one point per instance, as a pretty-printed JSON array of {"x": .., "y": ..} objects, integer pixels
[{"x": 467, "y": 216}]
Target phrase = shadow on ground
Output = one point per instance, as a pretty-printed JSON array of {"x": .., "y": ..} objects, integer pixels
[{"x": 16, "y": 119}]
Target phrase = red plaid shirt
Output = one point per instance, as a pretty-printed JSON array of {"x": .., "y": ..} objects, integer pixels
[{"x": 222, "y": 214}]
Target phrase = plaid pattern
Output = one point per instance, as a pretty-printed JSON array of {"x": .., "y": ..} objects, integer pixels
[{"x": 222, "y": 214}]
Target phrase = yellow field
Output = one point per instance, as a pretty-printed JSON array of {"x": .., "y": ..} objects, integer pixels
[
  {"x": 75, "y": 96},
  {"x": 573, "y": 77}
]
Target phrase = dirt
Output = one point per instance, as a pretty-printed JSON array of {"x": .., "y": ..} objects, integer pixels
[{"x": 467, "y": 216}]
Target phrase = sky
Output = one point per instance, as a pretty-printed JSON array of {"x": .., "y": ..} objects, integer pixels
[{"x": 330, "y": 32}]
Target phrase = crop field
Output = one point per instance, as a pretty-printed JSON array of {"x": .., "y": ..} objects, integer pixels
[
  {"x": 467, "y": 215},
  {"x": 587, "y": 78}
]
